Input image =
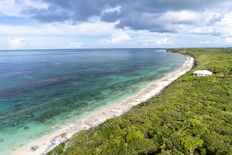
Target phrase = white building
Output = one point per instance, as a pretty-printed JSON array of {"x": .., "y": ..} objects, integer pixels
[{"x": 202, "y": 73}]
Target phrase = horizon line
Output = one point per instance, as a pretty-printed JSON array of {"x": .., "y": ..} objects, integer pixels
[{"x": 33, "y": 49}]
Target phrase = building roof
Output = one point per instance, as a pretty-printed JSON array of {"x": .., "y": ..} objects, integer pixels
[{"x": 206, "y": 72}]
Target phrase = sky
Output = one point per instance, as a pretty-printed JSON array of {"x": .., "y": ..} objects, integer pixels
[{"x": 54, "y": 24}]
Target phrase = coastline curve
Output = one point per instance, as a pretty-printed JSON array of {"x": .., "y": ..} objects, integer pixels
[{"x": 46, "y": 143}]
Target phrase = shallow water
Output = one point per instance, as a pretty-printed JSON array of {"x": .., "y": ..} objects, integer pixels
[{"x": 41, "y": 90}]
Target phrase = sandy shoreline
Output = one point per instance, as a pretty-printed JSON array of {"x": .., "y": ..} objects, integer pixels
[{"x": 45, "y": 143}]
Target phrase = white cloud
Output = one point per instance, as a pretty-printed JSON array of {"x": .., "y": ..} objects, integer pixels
[
  {"x": 186, "y": 21},
  {"x": 224, "y": 26},
  {"x": 15, "y": 7},
  {"x": 9, "y": 8},
  {"x": 16, "y": 42},
  {"x": 119, "y": 37},
  {"x": 89, "y": 28},
  {"x": 218, "y": 42},
  {"x": 228, "y": 40},
  {"x": 180, "y": 16},
  {"x": 33, "y": 4},
  {"x": 192, "y": 22},
  {"x": 163, "y": 41},
  {"x": 112, "y": 9}
]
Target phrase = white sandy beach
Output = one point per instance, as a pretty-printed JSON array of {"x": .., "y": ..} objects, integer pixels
[{"x": 48, "y": 142}]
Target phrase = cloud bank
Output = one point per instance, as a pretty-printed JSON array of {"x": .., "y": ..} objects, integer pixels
[
  {"x": 119, "y": 23},
  {"x": 152, "y": 15}
]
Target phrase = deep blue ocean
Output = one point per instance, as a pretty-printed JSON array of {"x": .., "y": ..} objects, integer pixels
[{"x": 42, "y": 90}]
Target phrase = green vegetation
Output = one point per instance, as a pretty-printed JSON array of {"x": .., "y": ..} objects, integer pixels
[{"x": 191, "y": 116}]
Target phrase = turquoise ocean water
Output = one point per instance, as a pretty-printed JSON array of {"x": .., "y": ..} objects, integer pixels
[{"x": 42, "y": 90}]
